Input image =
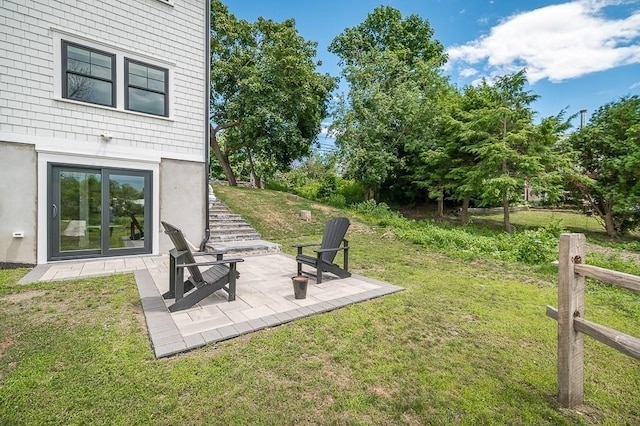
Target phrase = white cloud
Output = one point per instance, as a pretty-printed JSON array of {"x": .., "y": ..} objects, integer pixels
[
  {"x": 635, "y": 85},
  {"x": 468, "y": 72},
  {"x": 557, "y": 42}
]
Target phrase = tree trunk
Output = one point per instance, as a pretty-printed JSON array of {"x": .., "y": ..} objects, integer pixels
[
  {"x": 464, "y": 212},
  {"x": 505, "y": 209},
  {"x": 252, "y": 167},
  {"x": 440, "y": 209},
  {"x": 215, "y": 147},
  {"x": 610, "y": 224}
]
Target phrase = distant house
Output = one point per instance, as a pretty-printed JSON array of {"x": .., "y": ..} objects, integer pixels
[{"x": 103, "y": 126}]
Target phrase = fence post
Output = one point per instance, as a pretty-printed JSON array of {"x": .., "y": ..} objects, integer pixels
[{"x": 570, "y": 305}]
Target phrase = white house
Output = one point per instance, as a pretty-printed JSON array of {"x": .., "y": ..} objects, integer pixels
[{"x": 103, "y": 126}]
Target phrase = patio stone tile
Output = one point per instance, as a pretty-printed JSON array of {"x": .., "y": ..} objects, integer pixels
[
  {"x": 271, "y": 320},
  {"x": 255, "y": 300},
  {"x": 236, "y": 305},
  {"x": 202, "y": 326},
  {"x": 282, "y": 306},
  {"x": 206, "y": 314},
  {"x": 227, "y": 332},
  {"x": 170, "y": 349},
  {"x": 304, "y": 311},
  {"x": 237, "y": 316},
  {"x": 194, "y": 341},
  {"x": 258, "y": 312},
  {"x": 163, "y": 340},
  {"x": 66, "y": 274},
  {"x": 257, "y": 324},
  {"x": 211, "y": 335},
  {"x": 243, "y": 327},
  {"x": 284, "y": 316}
]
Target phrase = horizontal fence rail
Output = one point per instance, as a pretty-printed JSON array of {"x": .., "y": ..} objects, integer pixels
[{"x": 572, "y": 326}]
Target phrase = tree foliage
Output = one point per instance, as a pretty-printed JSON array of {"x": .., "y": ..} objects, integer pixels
[
  {"x": 608, "y": 159},
  {"x": 392, "y": 66},
  {"x": 265, "y": 92}
]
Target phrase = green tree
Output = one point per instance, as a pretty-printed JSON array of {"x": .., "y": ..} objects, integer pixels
[
  {"x": 392, "y": 65},
  {"x": 266, "y": 94},
  {"x": 608, "y": 164},
  {"x": 509, "y": 149}
]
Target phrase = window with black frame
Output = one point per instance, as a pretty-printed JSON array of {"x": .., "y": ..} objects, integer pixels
[
  {"x": 88, "y": 75},
  {"x": 147, "y": 88}
]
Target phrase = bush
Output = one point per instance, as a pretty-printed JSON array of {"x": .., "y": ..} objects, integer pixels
[
  {"x": 352, "y": 191},
  {"x": 309, "y": 191},
  {"x": 535, "y": 247},
  {"x": 336, "y": 200}
]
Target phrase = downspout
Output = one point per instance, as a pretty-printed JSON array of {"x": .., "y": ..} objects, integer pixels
[{"x": 207, "y": 126}]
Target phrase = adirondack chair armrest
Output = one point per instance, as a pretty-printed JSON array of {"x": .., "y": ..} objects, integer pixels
[
  {"x": 215, "y": 262},
  {"x": 210, "y": 253},
  {"x": 300, "y": 246},
  {"x": 328, "y": 250},
  {"x": 218, "y": 253},
  {"x": 305, "y": 245}
]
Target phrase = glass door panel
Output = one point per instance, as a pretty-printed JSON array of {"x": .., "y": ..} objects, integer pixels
[
  {"x": 78, "y": 206},
  {"x": 126, "y": 211}
]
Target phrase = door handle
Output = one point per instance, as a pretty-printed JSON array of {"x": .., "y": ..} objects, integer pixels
[{"x": 55, "y": 210}]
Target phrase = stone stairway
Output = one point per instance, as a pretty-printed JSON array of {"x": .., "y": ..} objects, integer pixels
[{"x": 230, "y": 231}]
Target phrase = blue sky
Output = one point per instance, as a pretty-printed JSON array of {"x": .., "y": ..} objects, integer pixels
[{"x": 579, "y": 54}]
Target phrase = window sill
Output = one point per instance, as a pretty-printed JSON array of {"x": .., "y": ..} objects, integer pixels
[{"x": 107, "y": 108}]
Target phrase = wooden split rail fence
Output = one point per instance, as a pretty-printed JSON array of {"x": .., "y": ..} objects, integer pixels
[{"x": 572, "y": 326}]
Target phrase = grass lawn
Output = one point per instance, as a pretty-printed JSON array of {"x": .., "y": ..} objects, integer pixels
[{"x": 467, "y": 342}]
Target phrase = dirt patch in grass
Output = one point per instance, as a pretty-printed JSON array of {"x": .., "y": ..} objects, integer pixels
[
  {"x": 7, "y": 342},
  {"x": 25, "y": 295}
]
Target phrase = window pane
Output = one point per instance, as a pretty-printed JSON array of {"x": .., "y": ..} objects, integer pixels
[
  {"x": 156, "y": 74},
  {"x": 102, "y": 72},
  {"x": 156, "y": 85},
  {"x": 100, "y": 59},
  {"x": 137, "y": 69},
  {"x": 88, "y": 89},
  {"x": 77, "y": 53},
  {"x": 78, "y": 66},
  {"x": 136, "y": 80},
  {"x": 145, "y": 101}
]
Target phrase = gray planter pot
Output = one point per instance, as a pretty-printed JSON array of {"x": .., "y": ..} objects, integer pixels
[{"x": 300, "y": 286}]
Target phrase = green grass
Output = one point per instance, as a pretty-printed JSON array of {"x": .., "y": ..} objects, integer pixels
[{"x": 467, "y": 342}]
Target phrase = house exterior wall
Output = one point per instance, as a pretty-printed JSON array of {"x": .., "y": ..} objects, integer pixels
[
  {"x": 18, "y": 207},
  {"x": 166, "y": 34},
  {"x": 181, "y": 189}
]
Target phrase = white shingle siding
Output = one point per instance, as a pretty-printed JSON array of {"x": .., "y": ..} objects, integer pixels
[{"x": 169, "y": 35}]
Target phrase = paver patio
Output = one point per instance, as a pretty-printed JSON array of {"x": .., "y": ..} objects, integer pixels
[{"x": 264, "y": 297}]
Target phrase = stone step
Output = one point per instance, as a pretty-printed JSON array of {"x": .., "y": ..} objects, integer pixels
[
  {"x": 226, "y": 230},
  {"x": 249, "y": 236},
  {"x": 231, "y": 232},
  {"x": 226, "y": 216},
  {"x": 241, "y": 248}
]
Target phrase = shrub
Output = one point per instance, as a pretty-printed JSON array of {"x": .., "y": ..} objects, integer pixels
[
  {"x": 309, "y": 191},
  {"x": 352, "y": 191},
  {"x": 336, "y": 200}
]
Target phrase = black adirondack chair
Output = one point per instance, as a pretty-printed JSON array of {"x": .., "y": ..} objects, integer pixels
[
  {"x": 221, "y": 274},
  {"x": 333, "y": 241}
]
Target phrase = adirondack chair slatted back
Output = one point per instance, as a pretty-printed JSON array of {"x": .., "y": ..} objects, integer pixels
[
  {"x": 179, "y": 242},
  {"x": 334, "y": 232}
]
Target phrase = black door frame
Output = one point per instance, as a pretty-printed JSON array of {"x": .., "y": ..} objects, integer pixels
[{"x": 53, "y": 229}]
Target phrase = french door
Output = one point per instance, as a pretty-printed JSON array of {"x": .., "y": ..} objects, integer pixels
[{"x": 96, "y": 212}]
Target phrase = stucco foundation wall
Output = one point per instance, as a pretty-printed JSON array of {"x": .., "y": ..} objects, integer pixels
[
  {"x": 182, "y": 200},
  {"x": 18, "y": 202}
]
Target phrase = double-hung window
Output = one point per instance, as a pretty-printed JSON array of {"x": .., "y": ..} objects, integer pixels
[
  {"x": 89, "y": 75},
  {"x": 146, "y": 88}
]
